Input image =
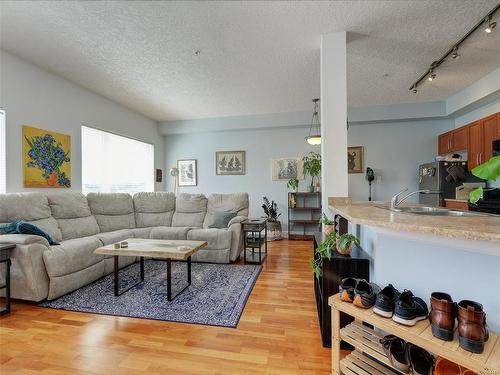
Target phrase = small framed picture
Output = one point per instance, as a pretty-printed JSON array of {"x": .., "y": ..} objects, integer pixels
[
  {"x": 355, "y": 159},
  {"x": 230, "y": 162},
  {"x": 287, "y": 168},
  {"x": 188, "y": 172}
]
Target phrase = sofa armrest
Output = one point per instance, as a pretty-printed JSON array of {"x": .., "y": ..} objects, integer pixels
[
  {"x": 23, "y": 239},
  {"x": 236, "y": 220}
]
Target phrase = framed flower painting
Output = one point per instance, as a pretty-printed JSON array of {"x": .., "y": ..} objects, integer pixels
[{"x": 46, "y": 159}]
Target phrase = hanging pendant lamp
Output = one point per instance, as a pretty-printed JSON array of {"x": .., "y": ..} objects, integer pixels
[{"x": 314, "y": 137}]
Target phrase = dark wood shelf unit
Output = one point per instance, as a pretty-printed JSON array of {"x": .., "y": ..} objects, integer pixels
[
  {"x": 357, "y": 265},
  {"x": 308, "y": 208}
]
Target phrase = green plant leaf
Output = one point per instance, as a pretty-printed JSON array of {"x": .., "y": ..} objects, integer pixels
[
  {"x": 475, "y": 195},
  {"x": 489, "y": 170}
]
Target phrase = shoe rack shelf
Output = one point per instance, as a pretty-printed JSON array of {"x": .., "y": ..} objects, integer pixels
[{"x": 365, "y": 340}]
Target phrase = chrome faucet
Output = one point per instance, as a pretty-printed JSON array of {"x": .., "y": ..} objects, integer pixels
[{"x": 396, "y": 201}]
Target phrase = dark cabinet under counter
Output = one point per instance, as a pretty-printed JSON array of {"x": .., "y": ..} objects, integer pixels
[{"x": 357, "y": 265}]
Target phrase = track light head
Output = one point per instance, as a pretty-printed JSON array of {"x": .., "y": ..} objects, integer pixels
[
  {"x": 432, "y": 75},
  {"x": 490, "y": 25},
  {"x": 454, "y": 54}
]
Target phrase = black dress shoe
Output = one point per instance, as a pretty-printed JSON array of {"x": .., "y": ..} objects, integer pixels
[{"x": 420, "y": 360}]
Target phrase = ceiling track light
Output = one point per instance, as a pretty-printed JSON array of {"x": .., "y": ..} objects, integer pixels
[
  {"x": 430, "y": 74},
  {"x": 490, "y": 25}
]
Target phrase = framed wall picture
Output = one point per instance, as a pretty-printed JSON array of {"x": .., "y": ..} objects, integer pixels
[
  {"x": 46, "y": 159},
  {"x": 355, "y": 159},
  {"x": 188, "y": 172},
  {"x": 230, "y": 162},
  {"x": 287, "y": 168}
]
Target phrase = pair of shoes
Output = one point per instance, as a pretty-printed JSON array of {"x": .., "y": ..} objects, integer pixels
[
  {"x": 404, "y": 308},
  {"x": 359, "y": 292},
  {"x": 406, "y": 357},
  {"x": 446, "y": 367},
  {"x": 472, "y": 328}
]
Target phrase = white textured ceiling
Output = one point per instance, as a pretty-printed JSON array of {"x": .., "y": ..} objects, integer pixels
[{"x": 256, "y": 57}]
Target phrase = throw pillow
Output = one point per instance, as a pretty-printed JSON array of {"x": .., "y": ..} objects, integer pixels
[
  {"x": 23, "y": 227},
  {"x": 221, "y": 219}
]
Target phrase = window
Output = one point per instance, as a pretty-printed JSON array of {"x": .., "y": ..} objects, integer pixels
[
  {"x": 115, "y": 164},
  {"x": 3, "y": 154}
]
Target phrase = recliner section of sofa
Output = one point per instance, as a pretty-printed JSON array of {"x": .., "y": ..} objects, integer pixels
[{"x": 82, "y": 223}]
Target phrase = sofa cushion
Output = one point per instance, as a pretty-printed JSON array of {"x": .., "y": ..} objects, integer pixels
[
  {"x": 107, "y": 238},
  {"x": 72, "y": 256},
  {"x": 141, "y": 232},
  {"x": 236, "y": 202},
  {"x": 217, "y": 239},
  {"x": 190, "y": 210},
  {"x": 154, "y": 209},
  {"x": 31, "y": 207},
  {"x": 169, "y": 233},
  {"x": 113, "y": 211},
  {"x": 222, "y": 219},
  {"x": 72, "y": 212}
]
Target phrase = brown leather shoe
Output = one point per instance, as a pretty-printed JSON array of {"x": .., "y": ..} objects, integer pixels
[
  {"x": 472, "y": 330},
  {"x": 442, "y": 316}
]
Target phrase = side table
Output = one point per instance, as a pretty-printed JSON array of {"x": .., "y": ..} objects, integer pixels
[
  {"x": 5, "y": 249},
  {"x": 254, "y": 240}
]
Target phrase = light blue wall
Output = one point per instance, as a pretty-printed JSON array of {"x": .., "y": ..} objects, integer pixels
[
  {"x": 260, "y": 145},
  {"x": 394, "y": 151},
  {"x": 425, "y": 266}
]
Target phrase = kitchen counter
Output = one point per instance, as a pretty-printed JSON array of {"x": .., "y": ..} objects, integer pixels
[{"x": 480, "y": 228}]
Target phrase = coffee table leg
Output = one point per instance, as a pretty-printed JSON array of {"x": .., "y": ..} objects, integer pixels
[
  {"x": 116, "y": 270},
  {"x": 189, "y": 270},
  {"x": 116, "y": 274},
  {"x": 169, "y": 280}
]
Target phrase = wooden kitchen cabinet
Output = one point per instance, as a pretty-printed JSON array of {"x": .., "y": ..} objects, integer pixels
[
  {"x": 476, "y": 144},
  {"x": 444, "y": 143},
  {"x": 460, "y": 139},
  {"x": 491, "y": 131}
]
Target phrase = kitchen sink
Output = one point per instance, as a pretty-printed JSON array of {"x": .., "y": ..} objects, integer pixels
[{"x": 431, "y": 211}]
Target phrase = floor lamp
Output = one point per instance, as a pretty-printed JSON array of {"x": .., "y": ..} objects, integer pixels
[{"x": 174, "y": 172}]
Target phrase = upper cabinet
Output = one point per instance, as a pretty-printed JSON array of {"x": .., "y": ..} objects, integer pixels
[
  {"x": 476, "y": 138},
  {"x": 491, "y": 131}
]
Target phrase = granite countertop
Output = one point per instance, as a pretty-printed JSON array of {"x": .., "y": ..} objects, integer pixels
[{"x": 476, "y": 228}]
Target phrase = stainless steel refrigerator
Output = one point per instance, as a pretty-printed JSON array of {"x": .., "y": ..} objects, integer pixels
[{"x": 436, "y": 177}]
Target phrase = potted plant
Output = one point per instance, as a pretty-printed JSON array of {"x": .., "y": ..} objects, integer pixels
[
  {"x": 293, "y": 184},
  {"x": 324, "y": 250},
  {"x": 490, "y": 171},
  {"x": 328, "y": 224},
  {"x": 345, "y": 242},
  {"x": 312, "y": 167},
  {"x": 273, "y": 224}
]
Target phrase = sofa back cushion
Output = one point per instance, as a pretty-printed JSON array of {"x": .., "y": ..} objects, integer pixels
[
  {"x": 113, "y": 211},
  {"x": 235, "y": 202},
  {"x": 31, "y": 207},
  {"x": 190, "y": 210},
  {"x": 72, "y": 212},
  {"x": 154, "y": 209}
]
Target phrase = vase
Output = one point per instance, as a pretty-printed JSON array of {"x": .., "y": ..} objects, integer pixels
[
  {"x": 274, "y": 230},
  {"x": 328, "y": 229},
  {"x": 293, "y": 200},
  {"x": 52, "y": 179},
  {"x": 346, "y": 251}
]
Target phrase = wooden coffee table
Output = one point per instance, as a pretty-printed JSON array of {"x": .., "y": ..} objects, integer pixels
[{"x": 163, "y": 249}]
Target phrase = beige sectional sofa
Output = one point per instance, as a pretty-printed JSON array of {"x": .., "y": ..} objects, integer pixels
[{"x": 83, "y": 223}]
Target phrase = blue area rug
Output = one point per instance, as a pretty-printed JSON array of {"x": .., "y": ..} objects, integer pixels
[{"x": 217, "y": 295}]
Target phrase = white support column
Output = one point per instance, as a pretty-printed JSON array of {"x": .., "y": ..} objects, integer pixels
[{"x": 334, "y": 182}]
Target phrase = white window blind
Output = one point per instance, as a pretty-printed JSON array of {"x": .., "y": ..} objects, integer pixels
[
  {"x": 115, "y": 164},
  {"x": 3, "y": 154}
]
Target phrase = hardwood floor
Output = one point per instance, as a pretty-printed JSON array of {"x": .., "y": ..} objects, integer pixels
[{"x": 278, "y": 334}]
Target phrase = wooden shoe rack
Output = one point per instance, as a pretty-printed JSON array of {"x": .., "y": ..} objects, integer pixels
[{"x": 369, "y": 358}]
